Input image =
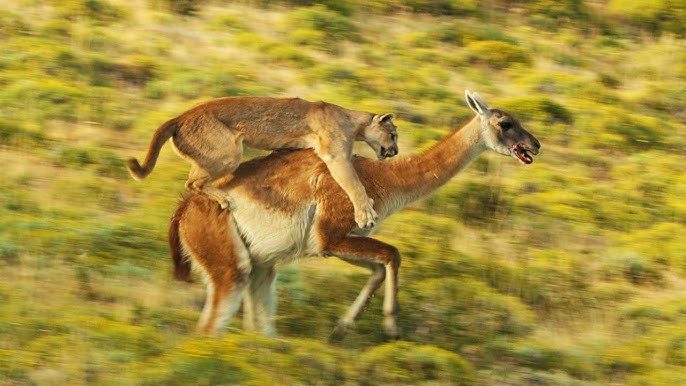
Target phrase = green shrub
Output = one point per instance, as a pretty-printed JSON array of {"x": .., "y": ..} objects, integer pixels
[
  {"x": 651, "y": 313},
  {"x": 425, "y": 236},
  {"x": 14, "y": 134},
  {"x": 433, "y": 7},
  {"x": 632, "y": 131},
  {"x": 117, "y": 242},
  {"x": 9, "y": 254},
  {"x": 410, "y": 363},
  {"x": 451, "y": 313},
  {"x": 274, "y": 51},
  {"x": 57, "y": 28},
  {"x": 552, "y": 282},
  {"x": 44, "y": 98},
  {"x": 496, "y": 54},
  {"x": 252, "y": 360},
  {"x": 551, "y": 356},
  {"x": 140, "y": 341},
  {"x": 183, "y": 7},
  {"x": 168, "y": 319},
  {"x": 98, "y": 11},
  {"x": 653, "y": 16},
  {"x": 74, "y": 157},
  {"x": 335, "y": 26},
  {"x": 676, "y": 351},
  {"x": 313, "y": 38},
  {"x": 633, "y": 267},
  {"x": 135, "y": 70},
  {"x": 12, "y": 24},
  {"x": 661, "y": 245},
  {"x": 207, "y": 371},
  {"x": 18, "y": 201},
  {"x": 228, "y": 22},
  {"x": 540, "y": 108},
  {"x": 552, "y": 14},
  {"x": 666, "y": 376},
  {"x": 623, "y": 360},
  {"x": 284, "y": 54},
  {"x": 474, "y": 202}
]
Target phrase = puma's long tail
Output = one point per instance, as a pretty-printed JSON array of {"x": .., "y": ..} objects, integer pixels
[{"x": 162, "y": 134}]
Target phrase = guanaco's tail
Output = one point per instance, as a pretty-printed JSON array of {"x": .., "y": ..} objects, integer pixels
[
  {"x": 182, "y": 263},
  {"x": 162, "y": 134}
]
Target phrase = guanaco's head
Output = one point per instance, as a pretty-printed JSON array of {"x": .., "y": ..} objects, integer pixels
[
  {"x": 502, "y": 132},
  {"x": 382, "y": 135}
]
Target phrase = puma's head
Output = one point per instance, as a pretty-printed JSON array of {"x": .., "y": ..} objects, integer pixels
[
  {"x": 382, "y": 135},
  {"x": 502, "y": 132}
]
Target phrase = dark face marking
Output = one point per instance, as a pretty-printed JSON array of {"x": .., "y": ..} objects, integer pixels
[{"x": 510, "y": 133}]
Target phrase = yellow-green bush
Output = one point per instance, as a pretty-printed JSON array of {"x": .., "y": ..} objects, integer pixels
[
  {"x": 549, "y": 356},
  {"x": 552, "y": 282},
  {"x": 96, "y": 11},
  {"x": 12, "y": 24},
  {"x": 17, "y": 135},
  {"x": 44, "y": 99},
  {"x": 451, "y": 312},
  {"x": 632, "y": 267},
  {"x": 539, "y": 107},
  {"x": 496, "y": 54},
  {"x": 409, "y": 363},
  {"x": 664, "y": 376},
  {"x": 335, "y": 26},
  {"x": 654, "y": 16}
]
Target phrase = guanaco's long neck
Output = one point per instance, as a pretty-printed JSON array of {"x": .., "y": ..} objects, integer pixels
[{"x": 409, "y": 178}]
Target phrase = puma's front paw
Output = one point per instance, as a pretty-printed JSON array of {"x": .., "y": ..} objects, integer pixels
[
  {"x": 225, "y": 202},
  {"x": 365, "y": 216}
]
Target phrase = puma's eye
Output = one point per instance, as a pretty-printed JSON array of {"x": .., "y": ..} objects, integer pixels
[
  {"x": 505, "y": 125},
  {"x": 394, "y": 137}
]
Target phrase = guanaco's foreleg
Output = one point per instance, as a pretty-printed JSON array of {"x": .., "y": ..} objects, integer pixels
[{"x": 384, "y": 262}]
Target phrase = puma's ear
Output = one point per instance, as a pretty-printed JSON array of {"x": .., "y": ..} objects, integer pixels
[
  {"x": 476, "y": 103},
  {"x": 385, "y": 118}
]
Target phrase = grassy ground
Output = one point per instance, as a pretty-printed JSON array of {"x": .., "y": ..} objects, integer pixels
[{"x": 571, "y": 271}]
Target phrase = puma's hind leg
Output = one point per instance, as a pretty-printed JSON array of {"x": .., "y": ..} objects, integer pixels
[
  {"x": 200, "y": 181},
  {"x": 215, "y": 168}
]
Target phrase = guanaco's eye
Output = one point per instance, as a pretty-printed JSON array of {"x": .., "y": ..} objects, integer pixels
[{"x": 505, "y": 125}]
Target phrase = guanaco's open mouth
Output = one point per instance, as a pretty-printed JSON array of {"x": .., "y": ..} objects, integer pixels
[{"x": 523, "y": 153}]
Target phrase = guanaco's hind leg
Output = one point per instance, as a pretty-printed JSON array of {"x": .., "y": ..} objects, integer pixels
[
  {"x": 259, "y": 304},
  {"x": 222, "y": 301},
  {"x": 208, "y": 234},
  {"x": 384, "y": 262}
]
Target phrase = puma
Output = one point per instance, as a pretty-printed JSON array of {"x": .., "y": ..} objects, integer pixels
[{"x": 211, "y": 136}]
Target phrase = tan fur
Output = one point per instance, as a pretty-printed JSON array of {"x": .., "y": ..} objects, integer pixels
[
  {"x": 211, "y": 137},
  {"x": 299, "y": 203}
]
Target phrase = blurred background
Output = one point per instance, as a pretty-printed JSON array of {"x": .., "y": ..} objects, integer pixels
[{"x": 569, "y": 271}]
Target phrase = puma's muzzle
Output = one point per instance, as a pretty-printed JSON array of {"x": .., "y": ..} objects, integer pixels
[{"x": 384, "y": 152}]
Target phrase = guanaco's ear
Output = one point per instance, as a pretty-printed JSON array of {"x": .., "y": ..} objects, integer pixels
[
  {"x": 385, "y": 118},
  {"x": 476, "y": 103}
]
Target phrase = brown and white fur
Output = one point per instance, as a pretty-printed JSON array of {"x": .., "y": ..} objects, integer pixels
[
  {"x": 289, "y": 206},
  {"x": 211, "y": 137}
]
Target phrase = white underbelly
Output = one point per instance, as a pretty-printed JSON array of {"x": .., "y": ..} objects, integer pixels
[{"x": 273, "y": 236}]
